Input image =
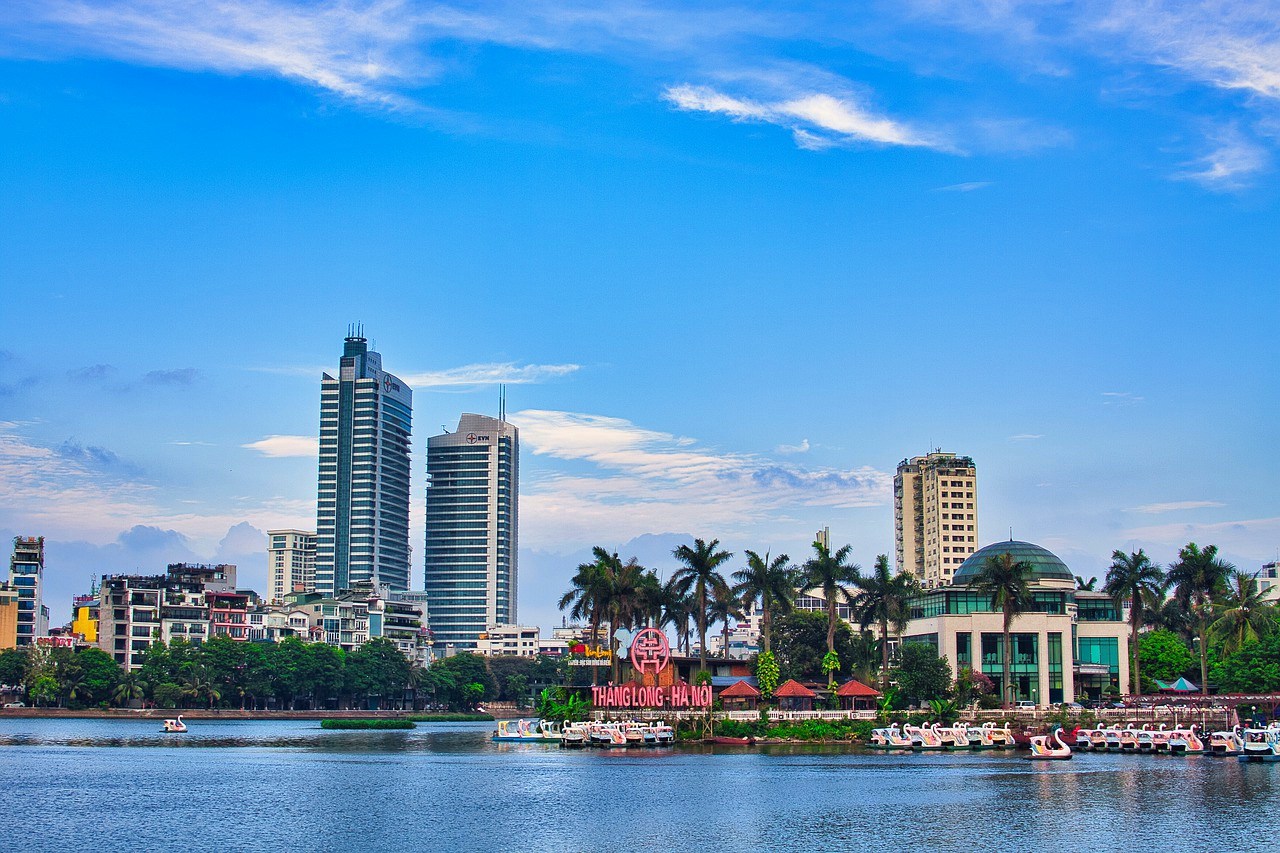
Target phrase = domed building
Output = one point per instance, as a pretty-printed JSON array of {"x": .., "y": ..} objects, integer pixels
[{"x": 1067, "y": 643}]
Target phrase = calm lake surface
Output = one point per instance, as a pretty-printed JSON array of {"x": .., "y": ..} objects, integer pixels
[{"x": 108, "y": 785}]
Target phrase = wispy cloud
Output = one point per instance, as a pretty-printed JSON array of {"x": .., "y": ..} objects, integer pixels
[
  {"x": 508, "y": 373},
  {"x": 1175, "y": 506},
  {"x": 966, "y": 187},
  {"x": 92, "y": 373},
  {"x": 1121, "y": 398},
  {"x": 286, "y": 446},
  {"x": 1233, "y": 159},
  {"x": 816, "y": 120},
  {"x": 785, "y": 449},
  {"x": 1026, "y": 436},
  {"x": 1254, "y": 537},
  {"x": 620, "y": 480}
]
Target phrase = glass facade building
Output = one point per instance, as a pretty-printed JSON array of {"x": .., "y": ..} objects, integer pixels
[
  {"x": 362, "y": 508},
  {"x": 26, "y": 575},
  {"x": 471, "y": 538}
]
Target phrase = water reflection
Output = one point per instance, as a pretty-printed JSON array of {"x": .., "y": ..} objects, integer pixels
[{"x": 446, "y": 787}]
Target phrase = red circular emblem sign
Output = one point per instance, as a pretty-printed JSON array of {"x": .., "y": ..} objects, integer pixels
[{"x": 650, "y": 651}]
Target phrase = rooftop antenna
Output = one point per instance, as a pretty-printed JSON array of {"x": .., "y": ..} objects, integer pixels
[{"x": 1010, "y": 533}]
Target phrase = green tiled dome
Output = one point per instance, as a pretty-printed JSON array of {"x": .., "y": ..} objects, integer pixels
[{"x": 1045, "y": 564}]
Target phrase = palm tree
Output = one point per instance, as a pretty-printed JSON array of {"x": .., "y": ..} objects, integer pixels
[
  {"x": 1134, "y": 578},
  {"x": 588, "y": 593},
  {"x": 884, "y": 599},
  {"x": 699, "y": 575},
  {"x": 131, "y": 687},
  {"x": 1083, "y": 585},
  {"x": 200, "y": 686},
  {"x": 835, "y": 577},
  {"x": 1245, "y": 615},
  {"x": 1007, "y": 582},
  {"x": 772, "y": 583},
  {"x": 677, "y": 610},
  {"x": 1201, "y": 577},
  {"x": 725, "y": 605}
]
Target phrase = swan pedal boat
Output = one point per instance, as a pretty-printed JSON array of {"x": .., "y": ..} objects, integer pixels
[
  {"x": 1261, "y": 745},
  {"x": 528, "y": 731},
  {"x": 174, "y": 726},
  {"x": 1043, "y": 750}
]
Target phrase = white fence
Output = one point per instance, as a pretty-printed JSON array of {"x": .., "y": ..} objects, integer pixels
[{"x": 737, "y": 716}]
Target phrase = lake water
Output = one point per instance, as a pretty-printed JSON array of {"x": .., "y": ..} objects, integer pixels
[{"x": 108, "y": 785}]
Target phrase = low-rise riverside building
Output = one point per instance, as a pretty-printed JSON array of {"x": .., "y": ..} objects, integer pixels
[
  {"x": 136, "y": 610},
  {"x": 8, "y": 617},
  {"x": 1068, "y": 643},
  {"x": 509, "y": 640},
  {"x": 353, "y": 617}
]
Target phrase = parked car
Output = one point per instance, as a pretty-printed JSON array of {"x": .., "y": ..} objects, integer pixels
[
  {"x": 1025, "y": 704},
  {"x": 15, "y": 704}
]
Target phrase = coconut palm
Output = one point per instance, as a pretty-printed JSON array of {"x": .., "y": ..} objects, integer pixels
[
  {"x": 131, "y": 687},
  {"x": 836, "y": 577},
  {"x": 200, "y": 686},
  {"x": 884, "y": 599},
  {"x": 1244, "y": 616},
  {"x": 725, "y": 605},
  {"x": 1200, "y": 577},
  {"x": 699, "y": 577},
  {"x": 1134, "y": 578},
  {"x": 772, "y": 583},
  {"x": 1007, "y": 581},
  {"x": 587, "y": 597},
  {"x": 1083, "y": 585},
  {"x": 677, "y": 611}
]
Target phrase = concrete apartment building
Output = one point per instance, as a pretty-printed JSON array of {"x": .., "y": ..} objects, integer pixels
[
  {"x": 514, "y": 640},
  {"x": 134, "y": 610},
  {"x": 935, "y": 515},
  {"x": 362, "y": 507},
  {"x": 471, "y": 540},
  {"x": 8, "y": 617},
  {"x": 291, "y": 563},
  {"x": 26, "y": 575}
]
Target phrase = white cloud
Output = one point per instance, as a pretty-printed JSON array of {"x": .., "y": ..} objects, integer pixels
[
  {"x": 282, "y": 446},
  {"x": 816, "y": 119},
  {"x": 1175, "y": 506},
  {"x": 966, "y": 187},
  {"x": 1025, "y": 436},
  {"x": 1121, "y": 398},
  {"x": 1253, "y": 538},
  {"x": 508, "y": 373},
  {"x": 1232, "y": 160},
  {"x": 802, "y": 447},
  {"x": 607, "y": 479}
]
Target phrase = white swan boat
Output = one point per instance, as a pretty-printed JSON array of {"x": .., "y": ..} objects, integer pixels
[
  {"x": 528, "y": 731},
  {"x": 175, "y": 726},
  {"x": 1050, "y": 747},
  {"x": 1261, "y": 745}
]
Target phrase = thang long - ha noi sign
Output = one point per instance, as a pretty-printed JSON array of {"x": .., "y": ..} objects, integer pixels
[{"x": 650, "y": 654}]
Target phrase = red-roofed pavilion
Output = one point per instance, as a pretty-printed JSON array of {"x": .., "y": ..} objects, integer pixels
[
  {"x": 794, "y": 696},
  {"x": 740, "y": 696},
  {"x": 856, "y": 696}
]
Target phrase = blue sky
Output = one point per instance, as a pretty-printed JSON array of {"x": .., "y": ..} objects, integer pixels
[{"x": 734, "y": 265}]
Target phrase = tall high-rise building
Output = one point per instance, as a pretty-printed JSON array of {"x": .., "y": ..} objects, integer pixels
[
  {"x": 935, "y": 516},
  {"x": 291, "y": 563},
  {"x": 472, "y": 495},
  {"x": 362, "y": 507},
  {"x": 26, "y": 575}
]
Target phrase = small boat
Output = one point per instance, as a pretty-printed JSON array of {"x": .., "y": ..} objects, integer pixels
[
  {"x": 175, "y": 726},
  {"x": 922, "y": 737},
  {"x": 527, "y": 731},
  {"x": 607, "y": 735},
  {"x": 730, "y": 741},
  {"x": 889, "y": 738},
  {"x": 959, "y": 738},
  {"x": 1113, "y": 739},
  {"x": 1226, "y": 742},
  {"x": 1098, "y": 740},
  {"x": 1146, "y": 741},
  {"x": 1261, "y": 745},
  {"x": 1001, "y": 737},
  {"x": 1128, "y": 740},
  {"x": 1185, "y": 742},
  {"x": 573, "y": 735},
  {"x": 663, "y": 734},
  {"x": 1084, "y": 740},
  {"x": 1043, "y": 750}
]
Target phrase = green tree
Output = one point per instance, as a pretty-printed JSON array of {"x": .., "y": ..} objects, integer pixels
[
  {"x": 836, "y": 577},
  {"x": 167, "y": 694},
  {"x": 1137, "y": 580},
  {"x": 770, "y": 582},
  {"x": 129, "y": 689},
  {"x": 799, "y": 643},
  {"x": 13, "y": 667},
  {"x": 589, "y": 591},
  {"x": 1244, "y": 614},
  {"x": 1200, "y": 577},
  {"x": 1007, "y": 582},
  {"x": 199, "y": 687},
  {"x": 100, "y": 674},
  {"x": 1255, "y": 668},
  {"x": 699, "y": 576},
  {"x": 324, "y": 671},
  {"x": 289, "y": 665},
  {"x": 377, "y": 668},
  {"x": 767, "y": 674},
  {"x": 921, "y": 675},
  {"x": 1164, "y": 655},
  {"x": 884, "y": 599},
  {"x": 452, "y": 676}
]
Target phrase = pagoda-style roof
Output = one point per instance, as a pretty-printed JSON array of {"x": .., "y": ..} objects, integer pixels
[
  {"x": 854, "y": 687},
  {"x": 792, "y": 688},
  {"x": 740, "y": 690}
]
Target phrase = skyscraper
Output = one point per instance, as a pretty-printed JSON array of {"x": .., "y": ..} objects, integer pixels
[
  {"x": 291, "y": 563},
  {"x": 26, "y": 575},
  {"x": 935, "y": 516},
  {"x": 362, "y": 508},
  {"x": 472, "y": 498}
]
